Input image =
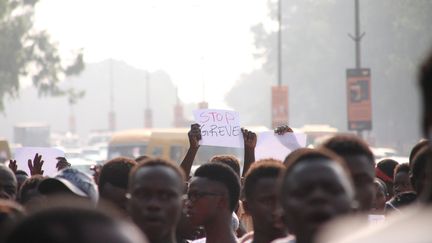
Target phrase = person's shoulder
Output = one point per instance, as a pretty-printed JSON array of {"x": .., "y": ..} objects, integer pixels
[
  {"x": 247, "y": 238},
  {"x": 202, "y": 240},
  {"x": 287, "y": 239}
]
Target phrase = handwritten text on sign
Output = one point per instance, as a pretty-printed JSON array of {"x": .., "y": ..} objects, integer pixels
[{"x": 219, "y": 127}]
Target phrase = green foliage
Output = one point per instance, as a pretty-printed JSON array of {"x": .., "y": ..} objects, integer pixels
[{"x": 26, "y": 52}]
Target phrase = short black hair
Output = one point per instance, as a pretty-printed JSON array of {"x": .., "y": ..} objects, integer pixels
[
  {"x": 21, "y": 172},
  {"x": 141, "y": 158},
  {"x": 421, "y": 144},
  {"x": 153, "y": 162},
  {"x": 31, "y": 183},
  {"x": 425, "y": 78},
  {"x": 387, "y": 166},
  {"x": 116, "y": 172},
  {"x": 404, "y": 167},
  {"x": 419, "y": 165},
  {"x": 346, "y": 145},
  {"x": 229, "y": 160},
  {"x": 307, "y": 155},
  {"x": 295, "y": 153},
  {"x": 45, "y": 225},
  {"x": 225, "y": 175},
  {"x": 267, "y": 168}
]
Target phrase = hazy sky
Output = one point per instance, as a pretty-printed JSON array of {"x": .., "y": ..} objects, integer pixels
[{"x": 192, "y": 40}]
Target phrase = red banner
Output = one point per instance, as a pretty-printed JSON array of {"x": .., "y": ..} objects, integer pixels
[{"x": 359, "y": 103}]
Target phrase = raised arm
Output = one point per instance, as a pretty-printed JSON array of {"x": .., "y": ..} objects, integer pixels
[
  {"x": 194, "y": 135},
  {"x": 250, "y": 140}
]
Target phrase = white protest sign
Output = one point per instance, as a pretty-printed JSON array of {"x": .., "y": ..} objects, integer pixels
[
  {"x": 272, "y": 145},
  {"x": 219, "y": 128},
  {"x": 49, "y": 155}
]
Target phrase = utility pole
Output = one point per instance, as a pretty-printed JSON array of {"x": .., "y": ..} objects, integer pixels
[
  {"x": 279, "y": 92},
  {"x": 357, "y": 36},
  {"x": 358, "y": 85},
  {"x": 148, "y": 114},
  {"x": 111, "y": 113},
  {"x": 280, "y": 43}
]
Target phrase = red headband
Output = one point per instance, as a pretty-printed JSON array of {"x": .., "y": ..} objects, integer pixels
[{"x": 381, "y": 175}]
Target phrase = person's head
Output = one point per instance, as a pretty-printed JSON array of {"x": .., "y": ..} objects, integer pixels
[
  {"x": 29, "y": 189},
  {"x": 385, "y": 171},
  {"x": 70, "y": 182},
  {"x": 421, "y": 144},
  {"x": 141, "y": 158},
  {"x": 401, "y": 181},
  {"x": 425, "y": 78},
  {"x": 229, "y": 160},
  {"x": 21, "y": 176},
  {"x": 360, "y": 161},
  {"x": 71, "y": 224},
  {"x": 155, "y": 197},
  {"x": 418, "y": 169},
  {"x": 314, "y": 188},
  {"x": 295, "y": 153},
  {"x": 10, "y": 214},
  {"x": 214, "y": 192},
  {"x": 113, "y": 180},
  {"x": 260, "y": 190},
  {"x": 8, "y": 183},
  {"x": 379, "y": 201}
]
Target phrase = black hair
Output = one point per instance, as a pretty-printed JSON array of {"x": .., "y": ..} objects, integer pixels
[
  {"x": 31, "y": 183},
  {"x": 308, "y": 156},
  {"x": 295, "y": 153},
  {"x": 267, "y": 168},
  {"x": 404, "y": 167},
  {"x": 229, "y": 160},
  {"x": 116, "y": 172},
  {"x": 418, "y": 168},
  {"x": 346, "y": 145},
  {"x": 141, "y": 158},
  {"x": 421, "y": 144},
  {"x": 387, "y": 166},
  {"x": 11, "y": 212},
  {"x": 21, "y": 172},
  {"x": 425, "y": 78},
  {"x": 58, "y": 225},
  {"x": 153, "y": 162},
  {"x": 225, "y": 175}
]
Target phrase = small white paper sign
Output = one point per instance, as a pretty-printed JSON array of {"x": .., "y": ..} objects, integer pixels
[
  {"x": 219, "y": 128},
  {"x": 49, "y": 155},
  {"x": 272, "y": 145}
]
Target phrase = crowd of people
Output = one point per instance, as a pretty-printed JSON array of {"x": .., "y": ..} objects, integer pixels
[{"x": 333, "y": 193}]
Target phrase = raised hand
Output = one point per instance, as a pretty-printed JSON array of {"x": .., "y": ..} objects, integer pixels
[
  {"x": 13, "y": 166},
  {"x": 35, "y": 166},
  {"x": 281, "y": 130},
  {"x": 62, "y": 163},
  {"x": 249, "y": 138},
  {"x": 194, "y": 135},
  {"x": 250, "y": 141}
]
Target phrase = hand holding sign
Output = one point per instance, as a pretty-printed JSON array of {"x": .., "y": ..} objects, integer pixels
[
  {"x": 219, "y": 128},
  {"x": 194, "y": 136},
  {"x": 35, "y": 166}
]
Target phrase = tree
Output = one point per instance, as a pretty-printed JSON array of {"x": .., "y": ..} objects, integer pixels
[{"x": 29, "y": 53}]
